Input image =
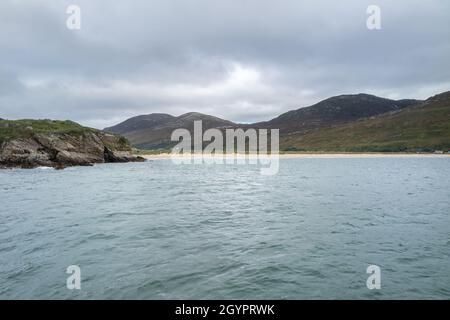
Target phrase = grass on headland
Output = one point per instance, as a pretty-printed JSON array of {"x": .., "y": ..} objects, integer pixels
[
  {"x": 14, "y": 129},
  {"x": 26, "y": 128}
]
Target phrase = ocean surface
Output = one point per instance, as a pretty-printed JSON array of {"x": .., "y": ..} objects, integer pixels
[{"x": 156, "y": 230}]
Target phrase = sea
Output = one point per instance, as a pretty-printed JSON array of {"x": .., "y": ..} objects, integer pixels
[{"x": 159, "y": 230}]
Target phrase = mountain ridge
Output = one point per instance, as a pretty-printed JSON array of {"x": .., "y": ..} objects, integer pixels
[
  {"x": 422, "y": 127},
  {"x": 158, "y": 133},
  {"x": 335, "y": 110},
  {"x": 153, "y": 131}
]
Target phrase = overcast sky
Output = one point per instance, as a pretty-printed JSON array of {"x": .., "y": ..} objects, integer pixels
[{"x": 243, "y": 60}]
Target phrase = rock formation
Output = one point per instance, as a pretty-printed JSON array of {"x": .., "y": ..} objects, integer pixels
[{"x": 63, "y": 149}]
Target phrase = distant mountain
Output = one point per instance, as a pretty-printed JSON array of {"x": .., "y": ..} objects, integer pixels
[
  {"x": 150, "y": 121},
  {"x": 333, "y": 111},
  {"x": 153, "y": 131},
  {"x": 421, "y": 127}
]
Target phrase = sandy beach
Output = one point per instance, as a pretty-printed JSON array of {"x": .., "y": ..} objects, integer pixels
[{"x": 318, "y": 155}]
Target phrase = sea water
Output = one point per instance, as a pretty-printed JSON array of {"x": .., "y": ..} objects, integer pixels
[{"x": 157, "y": 230}]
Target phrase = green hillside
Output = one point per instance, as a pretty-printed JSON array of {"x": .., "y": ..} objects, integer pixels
[
  {"x": 425, "y": 127},
  {"x": 12, "y": 129}
]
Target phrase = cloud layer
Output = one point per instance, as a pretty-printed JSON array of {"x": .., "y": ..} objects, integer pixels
[{"x": 242, "y": 60}]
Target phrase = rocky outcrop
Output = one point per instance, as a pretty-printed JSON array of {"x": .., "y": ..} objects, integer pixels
[{"x": 60, "y": 150}]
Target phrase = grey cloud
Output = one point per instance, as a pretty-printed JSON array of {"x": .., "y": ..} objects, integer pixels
[{"x": 242, "y": 60}]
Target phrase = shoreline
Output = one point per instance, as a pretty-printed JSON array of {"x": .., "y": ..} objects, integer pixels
[{"x": 311, "y": 155}]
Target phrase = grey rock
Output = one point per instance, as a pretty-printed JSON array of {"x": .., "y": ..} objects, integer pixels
[{"x": 61, "y": 150}]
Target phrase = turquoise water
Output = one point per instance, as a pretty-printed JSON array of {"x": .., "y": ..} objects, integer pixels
[{"x": 156, "y": 230}]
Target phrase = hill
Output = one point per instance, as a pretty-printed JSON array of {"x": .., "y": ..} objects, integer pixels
[
  {"x": 422, "y": 127},
  {"x": 153, "y": 131},
  {"x": 333, "y": 111},
  {"x": 152, "y": 121}
]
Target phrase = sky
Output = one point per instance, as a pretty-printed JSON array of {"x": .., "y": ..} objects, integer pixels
[{"x": 242, "y": 60}]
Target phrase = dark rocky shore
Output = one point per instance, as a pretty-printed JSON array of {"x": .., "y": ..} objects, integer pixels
[{"x": 60, "y": 149}]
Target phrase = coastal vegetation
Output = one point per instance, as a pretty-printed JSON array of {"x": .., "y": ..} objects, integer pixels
[{"x": 26, "y": 128}]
